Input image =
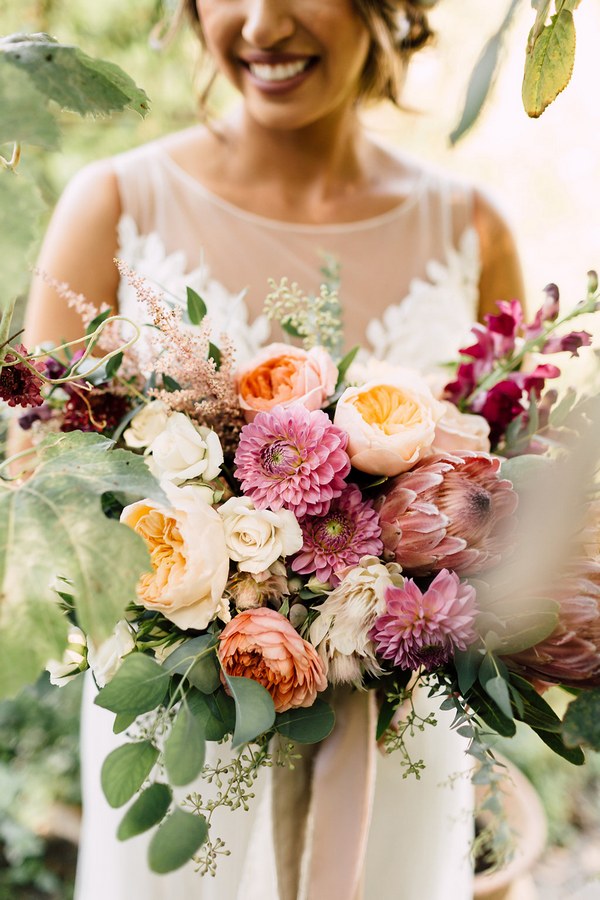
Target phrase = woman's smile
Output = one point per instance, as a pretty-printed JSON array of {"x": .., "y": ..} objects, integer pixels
[{"x": 278, "y": 72}]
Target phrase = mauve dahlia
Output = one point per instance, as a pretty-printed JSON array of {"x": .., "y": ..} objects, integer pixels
[
  {"x": 293, "y": 458},
  {"x": 19, "y": 385},
  {"x": 423, "y": 629},
  {"x": 571, "y": 654},
  {"x": 450, "y": 511},
  {"x": 349, "y": 530}
]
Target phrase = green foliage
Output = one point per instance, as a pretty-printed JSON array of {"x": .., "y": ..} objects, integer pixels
[
  {"x": 51, "y": 527},
  {"x": 581, "y": 723},
  {"x": 64, "y": 74},
  {"x": 254, "y": 709},
  {"x": 184, "y": 748},
  {"x": 176, "y": 841},
  {"x": 147, "y": 810},
  {"x": 550, "y": 56},
  {"x": 307, "y": 726},
  {"x": 139, "y": 686},
  {"x": 21, "y": 208},
  {"x": 125, "y": 770},
  {"x": 196, "y": 307},
  {"x": 215, "y": 712},
  {"x": 197, "y": 661}
]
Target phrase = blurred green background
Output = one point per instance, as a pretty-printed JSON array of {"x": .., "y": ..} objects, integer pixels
[{"x": 545, "y": 175}]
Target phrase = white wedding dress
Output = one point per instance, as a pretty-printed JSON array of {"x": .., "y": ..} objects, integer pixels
[{"x": 409, "y": 293}]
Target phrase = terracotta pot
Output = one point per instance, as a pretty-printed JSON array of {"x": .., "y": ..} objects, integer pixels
[{"x": 527, "y": 819}]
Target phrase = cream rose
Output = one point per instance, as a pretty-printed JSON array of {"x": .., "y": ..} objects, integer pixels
[
  {"x": 183, "y": 451},
  {"x": 390, "y": 422},
  {"x": 146, "y": 425},
  {"x": 281, "y": 375},
  {"x": 189, "y": 557},
  {"x": 460, "y": 431},
  {"x": 255, "y": 538},
  {"x": 106, "y": 659}
]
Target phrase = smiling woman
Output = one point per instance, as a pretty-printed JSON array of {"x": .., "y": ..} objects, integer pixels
[{"x": 288, "y": 174}]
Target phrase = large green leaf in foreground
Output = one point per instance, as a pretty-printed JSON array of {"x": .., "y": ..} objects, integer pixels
[
  {"x": 52, "y": 527},
  {"x": 35, "y": 68},
  {"x": 21, "y": 207}
]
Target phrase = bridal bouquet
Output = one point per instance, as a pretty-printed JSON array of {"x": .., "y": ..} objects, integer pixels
[{"x": 231, "y": 544}]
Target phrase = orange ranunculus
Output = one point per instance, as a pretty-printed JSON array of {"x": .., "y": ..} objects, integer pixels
[
  {"x": 262, "y": 645},
  {"x": 281, "y": 375},
  {"x": 390, "y": 422}
]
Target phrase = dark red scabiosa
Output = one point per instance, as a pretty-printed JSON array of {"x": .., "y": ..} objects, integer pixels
[
  {"x": 93, "y": 410},
  {"x": 19, "y": 386},
  {"x": 450, "y": 511}
]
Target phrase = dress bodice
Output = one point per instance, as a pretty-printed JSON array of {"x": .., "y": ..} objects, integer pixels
[{"x": 409, "y": 277}]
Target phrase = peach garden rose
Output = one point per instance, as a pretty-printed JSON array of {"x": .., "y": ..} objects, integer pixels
[
  {"x": 188, "y": 554},
  {"x": 281, "y": 375},
  {"x": 390, "y": 422},
  {"x": 261, "y": 644}
]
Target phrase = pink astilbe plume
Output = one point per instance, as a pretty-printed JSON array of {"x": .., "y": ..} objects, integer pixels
[
  {"x": 349, "y": 530},
  {"x": 425, "y": 628},
  {"x": 293, "y": 458},
  {"x": 207, "y": 391}
]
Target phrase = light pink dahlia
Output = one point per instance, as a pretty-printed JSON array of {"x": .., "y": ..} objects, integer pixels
[
  {"x": 571, "y": 654},
  {"x": 293, "y": 458},
  {"x": 423, "y": 629},
  {"x": 347, "y": 532},
  {"x": 450, "y": 511}
]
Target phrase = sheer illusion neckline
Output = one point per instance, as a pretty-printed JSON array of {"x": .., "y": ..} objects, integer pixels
[{"x": 302, "y": 228}]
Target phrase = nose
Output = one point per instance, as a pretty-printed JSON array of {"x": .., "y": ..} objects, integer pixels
[{"x": 268, "y": 23}]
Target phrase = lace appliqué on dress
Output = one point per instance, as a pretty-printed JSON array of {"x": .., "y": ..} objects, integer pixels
[
  {"x": 167, "y": 272},
  {"x": 430, "y": 324}
]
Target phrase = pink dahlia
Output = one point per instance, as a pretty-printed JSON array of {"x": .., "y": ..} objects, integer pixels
[
  {"x": 571, "y": 654},
  {"x": 449, "y": 511},
  {"x": 293, "y": 458},
  {"x": 347, "y": 532},
  {"x": 423, "y": 629}
]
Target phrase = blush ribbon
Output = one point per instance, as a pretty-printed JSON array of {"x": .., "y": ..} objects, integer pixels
[{"x": 322, "y": 807}]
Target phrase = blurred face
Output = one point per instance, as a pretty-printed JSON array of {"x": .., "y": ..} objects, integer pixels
[{"x": 295, "y": 62}]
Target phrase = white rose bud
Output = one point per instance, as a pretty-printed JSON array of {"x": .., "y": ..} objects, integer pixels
[
  {"x": 255, "y": 538},
  {"x": 183, "y": 451},
  {"x": 107, "y": 658},
  {"x": 74, "y": 659},
  {"x": 146, "y": 425}
]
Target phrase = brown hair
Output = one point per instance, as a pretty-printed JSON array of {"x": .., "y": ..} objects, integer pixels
[{"x": 398, "y": 28}]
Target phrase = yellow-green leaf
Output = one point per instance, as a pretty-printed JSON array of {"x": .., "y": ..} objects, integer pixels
[{"x": 549, "y": 63}]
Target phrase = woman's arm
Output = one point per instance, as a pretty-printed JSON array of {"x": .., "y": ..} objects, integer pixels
[
  {"x": 501, "y": 276},
  {"x": 78, "y": 249}
]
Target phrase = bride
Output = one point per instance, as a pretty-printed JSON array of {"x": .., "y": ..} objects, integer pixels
[{"x": 291, "y": 175}]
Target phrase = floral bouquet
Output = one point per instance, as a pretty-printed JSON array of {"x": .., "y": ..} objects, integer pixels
[{"x": 226, "y": 547}]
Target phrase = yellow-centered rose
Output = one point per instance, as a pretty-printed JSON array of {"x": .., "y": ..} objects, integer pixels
[{"x": 390, "y": 422}]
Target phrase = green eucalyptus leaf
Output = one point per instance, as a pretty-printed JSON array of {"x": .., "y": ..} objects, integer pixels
[
  {"x": 307, "y": 726},
  {"x": 71, "y": 78},
  {"x": 148, "y": 810},
  {"x": 214, "y": 712},
  {"x": 581, "y": 724},
  {"x": 196, "y": 659},
  {"x": 52, "y": 526},
  {"x": 139, "y": 686},
  {"x": 184, "y": 748},
  {"x": 536, "y": 712},
  {"x": 125, "y": 770},
  {"x": 254, "y": 709},
  {"x": 196, "y": 307},
  {"x": 483, "y": 77},
  {"x": 170, "y": 384},
  {"x": 574, "y": 755},
  {"x": 384, "y": 719},
  {"x": 488, "y": 710},
  {"x": 123, "y": 721},
  {"x": 549, "y": 63},
  {"x": 215, "y": 354},
  {"x": 176, "y": 841},
  {"x": 113, "y": 365},
  {"x": 497, "y": 688},
  {"x": 467, "y": 663},
  {"x": 345, "y": 364}
]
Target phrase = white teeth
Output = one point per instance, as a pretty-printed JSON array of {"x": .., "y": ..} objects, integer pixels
[{"x": 279, "y": 72}]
